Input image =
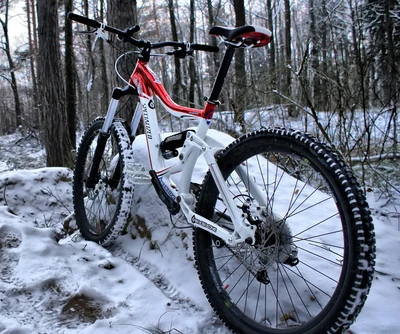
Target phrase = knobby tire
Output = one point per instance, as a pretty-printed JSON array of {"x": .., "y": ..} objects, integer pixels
[
  {"x": 102, "y": 212},
  {"x": 311, "y": 268}
]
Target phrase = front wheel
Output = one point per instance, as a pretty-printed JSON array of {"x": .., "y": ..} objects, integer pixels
[
  {"x": 102, "y": 211},
  {"x": 311, "y": 267}
]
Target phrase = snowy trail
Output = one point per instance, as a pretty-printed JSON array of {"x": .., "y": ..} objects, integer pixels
[
  {"x": 178, "y": 301},
  {"x": 74, "y": 286},
  {"x": 70, "y": 286},
  {"x": 78, "y": 283},
  {"x": 29, "y": 299}
]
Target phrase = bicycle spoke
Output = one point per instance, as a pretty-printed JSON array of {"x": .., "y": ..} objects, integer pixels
[
  {"x": 296, "y": 290},
  {"x": 308, "y": 281},
  {"x": 317, "y": 224}
]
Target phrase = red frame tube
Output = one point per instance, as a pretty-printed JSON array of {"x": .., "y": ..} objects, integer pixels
[{"x": 147, "y": 84}]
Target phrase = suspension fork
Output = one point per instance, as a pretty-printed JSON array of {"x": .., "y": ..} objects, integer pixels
[{"x": 105, "y": 133}]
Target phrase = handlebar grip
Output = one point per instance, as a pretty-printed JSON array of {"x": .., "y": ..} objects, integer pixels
[
  {"x": 204, "y": 47},
  {"x": 84, "y": 20}
]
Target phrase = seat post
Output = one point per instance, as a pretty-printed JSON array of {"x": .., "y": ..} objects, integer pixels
[{"x": 222, "y": 72}]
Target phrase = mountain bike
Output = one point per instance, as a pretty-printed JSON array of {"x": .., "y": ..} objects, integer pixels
[{"x": 282, "y": 235}]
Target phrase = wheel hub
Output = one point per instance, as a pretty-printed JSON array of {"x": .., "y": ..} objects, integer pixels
[
  {"x": 273, "y": 236},
  {"x": 274, "y": 242}
]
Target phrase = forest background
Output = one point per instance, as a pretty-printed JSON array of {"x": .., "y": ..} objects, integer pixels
[{"x": 332, "y": 66}]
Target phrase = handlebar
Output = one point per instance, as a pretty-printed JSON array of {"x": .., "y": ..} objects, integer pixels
[
  {"x": 84, "y": 20},
  {"x": 126, "y": 36}
]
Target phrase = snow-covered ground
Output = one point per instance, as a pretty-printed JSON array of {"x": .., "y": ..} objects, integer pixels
[{"x": 51, "y": 282}]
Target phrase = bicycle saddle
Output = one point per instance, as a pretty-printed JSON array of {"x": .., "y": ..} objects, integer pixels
[{"x": 250, "y": 35}]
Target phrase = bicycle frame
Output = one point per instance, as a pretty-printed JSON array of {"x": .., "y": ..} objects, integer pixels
[
  {"x": 197, "y": 143},
  {"x": 312, "y": 253}
]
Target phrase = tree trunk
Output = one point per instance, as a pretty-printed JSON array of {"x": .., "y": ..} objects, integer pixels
[
  {"x": 214, "y": 64},
  {"x": 51, "y": 87},
  {"x": 324, "y": 98},
  {"x": 288, "y": 49},
  {"x": 35, "y": 52},
  {"x": 176, "y": 88},
  {"x": 105, "y": 93},
  {"x": 357, "y": 36},
  {"x": 13, "y": 81},
  {"x": 240, "y": 68},
  {"x": 91, "y": 70},
  {"x": 70, "y": 71},
  {"x": 32, "y": 60},
  {"x": 192, "y": 68},
  {"x": 272, "y": 61},
  {"x": 391, "y": 58},
  {"x": 394, "y": 73},
  {"x": 314, "y": 54},
  {"x": 166, "y": 82},
  {"x": 122, "y": 14}
]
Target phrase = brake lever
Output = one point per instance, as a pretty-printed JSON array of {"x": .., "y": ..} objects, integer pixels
[
  {"x": 181, "y": 52},
  {"x": 99, "y": 33}
]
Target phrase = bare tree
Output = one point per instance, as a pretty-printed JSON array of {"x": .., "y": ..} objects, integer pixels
[
  {"x": 31, "y": 20},
  {"x": 214, "y": 63},
  {"x": 288, "y": 54},
  {"x": 177, "y": 89},
  {"x": 122, "y": 14},
  {"x": 51, "y": 87},
  {"x": 192, "y": 68},
  {"x": 10, "y": 77},
  {"x": 272, "y": 61},
  {"x": 239, "y": 104},
  {"x": 70, "y": 75},
  {"x": 105, "y": 93}
]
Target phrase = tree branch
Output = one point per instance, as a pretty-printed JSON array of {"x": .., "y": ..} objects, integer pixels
[{"x": 6, "y": 78}]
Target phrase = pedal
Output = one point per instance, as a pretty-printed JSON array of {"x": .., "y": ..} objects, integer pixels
[{"x": 137, "y": 174}]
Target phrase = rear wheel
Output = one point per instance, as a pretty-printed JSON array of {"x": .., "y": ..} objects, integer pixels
[
  {"x": 102, "y": 211},
  {"x": 311, "y": 267}
]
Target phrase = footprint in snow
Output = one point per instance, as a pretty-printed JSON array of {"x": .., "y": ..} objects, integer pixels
[{"x": 9, "y": 241}]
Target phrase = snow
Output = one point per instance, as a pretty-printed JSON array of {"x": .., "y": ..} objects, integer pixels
[
  {"x": 127, "y": 285},
  {"x": 53, "y": 282}
]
